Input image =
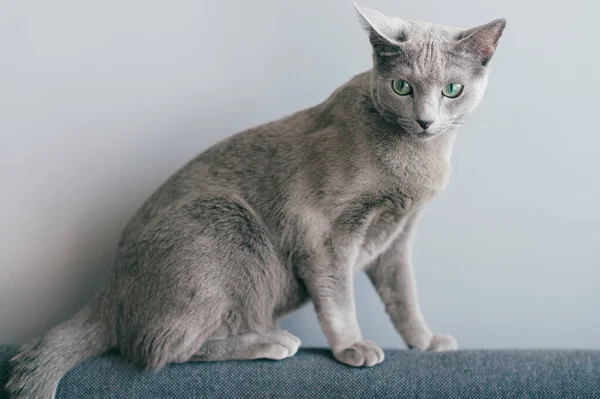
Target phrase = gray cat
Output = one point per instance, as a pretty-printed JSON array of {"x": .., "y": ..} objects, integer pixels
[{"x": 262, "y": 222}]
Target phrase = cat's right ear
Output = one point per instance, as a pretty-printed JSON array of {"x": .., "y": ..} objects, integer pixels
[{"x": 383, "y": 33}]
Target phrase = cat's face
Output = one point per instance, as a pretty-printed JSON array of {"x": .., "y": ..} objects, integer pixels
[{"x": 427, "y": 78}]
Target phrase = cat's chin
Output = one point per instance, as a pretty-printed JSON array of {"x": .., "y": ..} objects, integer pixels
[{"x": 425, "y": 135}]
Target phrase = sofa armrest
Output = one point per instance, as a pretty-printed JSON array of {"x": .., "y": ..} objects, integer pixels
[{"x": 313, "y": 373}]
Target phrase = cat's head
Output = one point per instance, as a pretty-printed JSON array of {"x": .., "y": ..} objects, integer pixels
[{"x": 427, "y": 77}]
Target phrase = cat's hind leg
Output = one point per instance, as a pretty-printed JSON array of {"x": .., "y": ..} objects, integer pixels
[
  {"x": 275, "y": 344},
  {"x": 200, "y": 273}
]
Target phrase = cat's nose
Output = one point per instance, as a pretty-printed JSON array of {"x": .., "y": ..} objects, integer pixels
[{"x": 424, "y": 124}]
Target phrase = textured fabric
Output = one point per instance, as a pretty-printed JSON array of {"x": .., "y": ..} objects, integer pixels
[{"x": 312, "y": 373}]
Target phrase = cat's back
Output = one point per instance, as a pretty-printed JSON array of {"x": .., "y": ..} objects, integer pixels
[
  {"x": 266, "y": 158},
  {"x": 253, "y": 165}
]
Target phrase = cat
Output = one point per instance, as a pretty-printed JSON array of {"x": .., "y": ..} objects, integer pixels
[{"x": 283, "y": 213}]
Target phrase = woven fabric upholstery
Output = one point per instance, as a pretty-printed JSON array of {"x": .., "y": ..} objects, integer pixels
[{"x": 312, "y": 373}]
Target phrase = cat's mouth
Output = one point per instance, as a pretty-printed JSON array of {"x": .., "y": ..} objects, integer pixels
[{"x": 425, "y": 134}]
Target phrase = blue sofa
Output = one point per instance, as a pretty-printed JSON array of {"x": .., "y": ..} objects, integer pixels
[{"x": 313, "y": 373}]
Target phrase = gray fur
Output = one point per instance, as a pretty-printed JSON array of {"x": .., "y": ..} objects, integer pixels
[{"x": 269, "y": 218}]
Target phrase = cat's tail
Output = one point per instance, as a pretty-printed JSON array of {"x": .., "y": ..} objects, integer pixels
[{"x": 39, "y": 366}]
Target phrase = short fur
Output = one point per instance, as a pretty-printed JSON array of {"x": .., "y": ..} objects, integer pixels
[{"x": 284, "y": 213}]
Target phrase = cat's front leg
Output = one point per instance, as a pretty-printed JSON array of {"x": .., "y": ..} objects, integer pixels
[
  {"x": 392, "y": 275},
  {"x": 329, "y": 281}
]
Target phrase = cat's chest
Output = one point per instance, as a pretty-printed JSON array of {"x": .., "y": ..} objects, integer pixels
[
  {"x": 419, "y": 172},
  {"x": 408, "y": 192},
  {"x": 422, "y": 179}
]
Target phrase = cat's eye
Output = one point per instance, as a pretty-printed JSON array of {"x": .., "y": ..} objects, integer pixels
[
  {"x": 452, "y": 90},
  {"x": 402, "y": 87}
]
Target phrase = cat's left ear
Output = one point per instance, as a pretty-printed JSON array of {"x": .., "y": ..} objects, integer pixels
[
  {"x": 383, "y": 31},
  {"x": 482, "y": 40}
]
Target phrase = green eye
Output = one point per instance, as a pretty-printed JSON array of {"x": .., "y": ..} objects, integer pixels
[
  {"x": 452, "y": 90},
  {"x": 402, "y": 87}
]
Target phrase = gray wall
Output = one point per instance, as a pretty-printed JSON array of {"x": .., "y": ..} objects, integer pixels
[{"x": 101, "y": 101}]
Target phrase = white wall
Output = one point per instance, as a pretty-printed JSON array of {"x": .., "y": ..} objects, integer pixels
[{"x": 101, "y": 101}]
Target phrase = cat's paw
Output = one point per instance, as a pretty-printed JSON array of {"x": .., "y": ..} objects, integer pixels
[
  {"x": 437, "y": 343},
  {"x": 363, "y": 353},
  {"x": 433, "y": 343},
  {"x": 442, "y": 343}
]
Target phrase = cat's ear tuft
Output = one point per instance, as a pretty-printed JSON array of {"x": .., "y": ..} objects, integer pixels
[
  {"x": 383, "y": 31},
  {"x": 482, "y": 41}
]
